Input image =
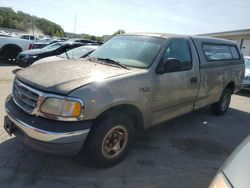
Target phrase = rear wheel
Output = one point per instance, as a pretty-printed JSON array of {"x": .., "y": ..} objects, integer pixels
[
  {"x": 110, "y": 139},
  {"x": 220, "y": 107}
]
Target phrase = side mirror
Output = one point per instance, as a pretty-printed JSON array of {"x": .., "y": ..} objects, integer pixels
[{"x": 170, "y": 65}]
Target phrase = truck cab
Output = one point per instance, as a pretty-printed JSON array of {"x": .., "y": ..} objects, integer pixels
[
  {"x": 29, "y": 37},
  {"x": 130, "y": 83}
]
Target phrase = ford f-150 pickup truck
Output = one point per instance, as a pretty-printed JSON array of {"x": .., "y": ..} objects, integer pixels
[
  {"x": 10, "y": 47},
  {"x": 131, "y": 83}
]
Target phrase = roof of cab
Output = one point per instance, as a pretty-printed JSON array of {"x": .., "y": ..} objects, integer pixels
[
  {"x": 161, "y": 35},
  {"x": 212, "y": 40},
  {"x": 197, "y": 38}
]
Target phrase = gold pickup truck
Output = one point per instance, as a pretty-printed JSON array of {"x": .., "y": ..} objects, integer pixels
[{"x": 130, "y": 83}]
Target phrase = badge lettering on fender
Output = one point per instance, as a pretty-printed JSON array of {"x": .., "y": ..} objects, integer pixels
[{"x": 144, "y": 89}]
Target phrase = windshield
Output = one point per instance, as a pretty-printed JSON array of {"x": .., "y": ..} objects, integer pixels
[
  {"x": 247, "y": 63},
  {"x": 53, "y": 46},
  {"x": 76, "y": 53},
  {"x": 133, "y": 51}
]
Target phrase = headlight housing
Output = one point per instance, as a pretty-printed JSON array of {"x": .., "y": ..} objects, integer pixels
[
  {"x": 31, "y": 56},
  {"x": 220, "y": 181},
  {"x": 62, "y": 107}
]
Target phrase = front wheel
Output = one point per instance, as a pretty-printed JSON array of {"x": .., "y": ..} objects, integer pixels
[
  {"x": 110, "y": 139},
  {"x": 220, "y": 107}
]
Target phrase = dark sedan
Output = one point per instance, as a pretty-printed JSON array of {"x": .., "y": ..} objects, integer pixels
[
  {"x": 26, "y": 58},
  {"x": 76, "y": 53}
]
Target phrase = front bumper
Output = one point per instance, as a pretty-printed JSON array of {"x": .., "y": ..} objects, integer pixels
[{"x": 47, "y": 135}]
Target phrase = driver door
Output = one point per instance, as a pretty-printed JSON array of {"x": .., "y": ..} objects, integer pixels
[{"x": 174, "y": 93}]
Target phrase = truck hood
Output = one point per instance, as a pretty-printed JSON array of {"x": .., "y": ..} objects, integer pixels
[
  {"x": 237, "y": 167},
  {"x": 48, "y": 59},
  {"x": 64, "y": 76}
]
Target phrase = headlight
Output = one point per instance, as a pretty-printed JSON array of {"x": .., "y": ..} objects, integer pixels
[
  {"x": 33, "y": 56},
  {"x": 220, "y": 181},
  {"x": 62, "y": 107}
]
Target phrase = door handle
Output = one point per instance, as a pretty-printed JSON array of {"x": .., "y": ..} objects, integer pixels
[{"x": 193, "y": 80}]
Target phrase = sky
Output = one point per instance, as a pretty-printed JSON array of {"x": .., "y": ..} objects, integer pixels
[{"x": 104, "y": 17}]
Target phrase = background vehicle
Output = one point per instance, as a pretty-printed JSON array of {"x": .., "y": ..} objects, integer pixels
[
  {"x": 29, "y": 37},
  {"x": 131, "y": 82},
  {"x": 10, "y": 47},
  {"x": 76, "y": 53},
  {"x": 26, "y": 58},
  {"x": 43, "y": 43},
  {"x": 84, "y": 41},
  {"x": 235, "y": 171},
  {"x": 246, "y": 81}
]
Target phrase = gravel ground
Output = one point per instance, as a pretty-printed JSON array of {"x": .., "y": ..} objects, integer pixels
[{"x": 184, "y": 152}]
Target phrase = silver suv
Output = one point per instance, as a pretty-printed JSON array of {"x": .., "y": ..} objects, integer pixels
[{"x": 131, "y": 83}]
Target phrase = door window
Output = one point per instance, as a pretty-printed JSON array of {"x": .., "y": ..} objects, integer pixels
[{"x": 179, "y": 49}]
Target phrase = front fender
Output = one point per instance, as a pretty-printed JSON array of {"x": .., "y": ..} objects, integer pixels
[{"x": 132, "y": 90}]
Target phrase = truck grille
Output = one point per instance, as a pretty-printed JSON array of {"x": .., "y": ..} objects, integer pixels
[{"x": 24, "y": 97}]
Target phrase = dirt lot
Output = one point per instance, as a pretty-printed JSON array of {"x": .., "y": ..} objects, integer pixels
[{"x": 184, "y": 152}]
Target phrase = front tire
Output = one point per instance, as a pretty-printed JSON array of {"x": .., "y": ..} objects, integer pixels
[
  {"x": 110, "y": 139},
  {"x": 220, "y": 107}
]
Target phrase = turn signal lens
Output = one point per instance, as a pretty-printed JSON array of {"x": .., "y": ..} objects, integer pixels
[
  {"x": 77, "y": 110},
  {"x": 220, "y": 181}
]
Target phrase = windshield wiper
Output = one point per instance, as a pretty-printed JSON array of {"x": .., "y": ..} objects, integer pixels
[{"x": 112, "y": 62}]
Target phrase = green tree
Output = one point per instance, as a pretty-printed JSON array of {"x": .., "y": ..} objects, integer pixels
[
  {"x": 119, "y": 32},
  {"x": 92, "y": 37},
  {"x": 1, "y": 20},
  {"x": 22, "y": 21}
]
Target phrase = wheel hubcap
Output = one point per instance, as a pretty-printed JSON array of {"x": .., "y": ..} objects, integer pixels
[{"x": 114, "y": 141}]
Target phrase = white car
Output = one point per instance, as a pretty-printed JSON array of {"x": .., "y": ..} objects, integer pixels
[
  {"x": 235, "y": 171},
  {"x": 246, "y": 81},
  {"x": 10, "y": 47},
  {"x": 76, "y": 53}
]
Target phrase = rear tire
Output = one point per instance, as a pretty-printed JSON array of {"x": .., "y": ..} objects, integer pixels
[
  {"x": 220, "y": 107},
  {"x": 110, "y": 139},
  {"x": 10, "y": 54}
]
